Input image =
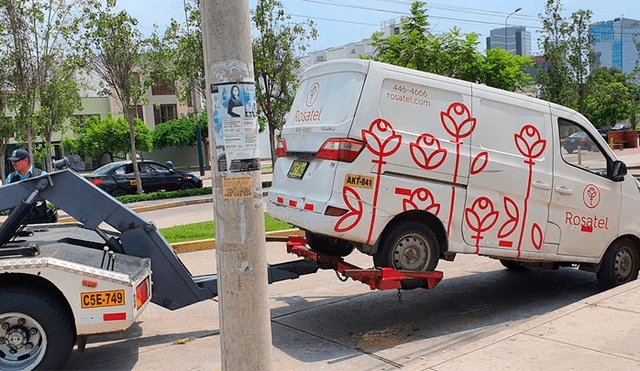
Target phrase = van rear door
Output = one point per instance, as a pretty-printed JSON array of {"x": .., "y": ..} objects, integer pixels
[{"x": 323, "y": 109}]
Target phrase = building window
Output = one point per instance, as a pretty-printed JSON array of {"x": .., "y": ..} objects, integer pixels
[
  {"x": 160, "y": 87},
  {"x": 164, "y": 113}
]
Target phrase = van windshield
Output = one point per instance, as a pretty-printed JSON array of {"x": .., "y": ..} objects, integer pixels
[{"x": 326, "y": 100}]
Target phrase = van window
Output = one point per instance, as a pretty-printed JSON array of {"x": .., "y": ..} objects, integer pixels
[
  {"x": 328, "y": 99},
  {"x": 578, "y": 148}
]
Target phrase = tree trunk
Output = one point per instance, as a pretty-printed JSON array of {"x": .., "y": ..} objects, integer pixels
[
  {"x": 134, "y": 154},
  {"x": 272, "y": 143}
]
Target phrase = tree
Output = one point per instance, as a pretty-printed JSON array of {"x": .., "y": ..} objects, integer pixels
[
  {"x": 59, "y": 99},
  {"x": 114, "y": 49},
  {"x": 504, "y": 70},
  {"x": 275, "y": 47},
  {"x": 177, "y": 56},
  {"x": 611, "y": 95},
  {"x": 36, "y": 37},
  {"x": 568, "y": 56},
  {"x": 449, "y": 54},
  {"x": 109, "y": 135},
  {"x": 176, "y": 133}
]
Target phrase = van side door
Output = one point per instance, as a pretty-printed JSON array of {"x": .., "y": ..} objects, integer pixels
[
  {"x": 510, "y": 179},
  {"x": 585, "y": 203}
]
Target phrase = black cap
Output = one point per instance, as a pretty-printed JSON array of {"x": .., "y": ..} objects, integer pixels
[{"x": 18, "y": 154}]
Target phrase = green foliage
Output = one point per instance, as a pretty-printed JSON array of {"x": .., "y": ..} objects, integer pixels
[
  {"x": 113, "y": 48},
  {"x": 59, "y": 99},
  {"x": 165, "y": 195},
  {"x": 206, "y": 230},
  {"x": 177, "y": 133},
  {"x": 568, "y": 54},
  {"x": 277, "y": 43},
  {"x": 33, "y": 48},
  {"x": 504, "y": 70},
  {"x": 177, "y": 55},
  {"x": 449, "y": 54},
  {"x": 108, "y": 135},
  {"x": 611, "y": 96}
]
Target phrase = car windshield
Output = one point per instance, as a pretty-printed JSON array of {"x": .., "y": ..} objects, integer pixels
[{"x": 105, "y": 169}]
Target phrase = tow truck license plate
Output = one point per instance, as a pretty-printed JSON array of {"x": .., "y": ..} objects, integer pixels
[
  {"x": 102, "y": 299},
  {"x": 297, "y": 169}
]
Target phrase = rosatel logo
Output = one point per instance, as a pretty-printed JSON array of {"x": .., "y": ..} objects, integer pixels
[
  {"x": 313, "y": 94},
  {"x": 591, "y": 196}
]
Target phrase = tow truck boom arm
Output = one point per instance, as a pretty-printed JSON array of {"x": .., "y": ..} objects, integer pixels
[{"x": 173, "y": 288}]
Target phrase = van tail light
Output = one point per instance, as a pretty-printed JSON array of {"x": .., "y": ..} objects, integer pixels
[
  {"x": 281, "y": 148},
  {"x": 345, "y": 150},
  {"x": 142, "y": 293},
  {"x": 96, "y": 181}
]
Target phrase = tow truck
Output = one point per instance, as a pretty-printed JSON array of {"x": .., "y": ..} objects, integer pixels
[{"x": 60, "y": 283}]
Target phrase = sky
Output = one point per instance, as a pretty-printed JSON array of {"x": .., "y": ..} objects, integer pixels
[{"x": 340, "y": 22}]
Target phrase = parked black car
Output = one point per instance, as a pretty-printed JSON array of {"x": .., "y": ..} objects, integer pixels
[
  {"x": 117, "y": 178},
  {"x": 581, "y": 139},
  {"x": 621, "y": 126}
]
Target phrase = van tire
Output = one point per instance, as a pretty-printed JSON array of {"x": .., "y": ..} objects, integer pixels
[
  {"x": 513, "y": 265},
  {"x": 619, "y": 264},
  {"x": 328, "y": 245},
  {"x": 408, "y": 246}
]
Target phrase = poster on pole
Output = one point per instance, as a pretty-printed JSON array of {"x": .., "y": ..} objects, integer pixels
[{"x": 235, "y": 120}]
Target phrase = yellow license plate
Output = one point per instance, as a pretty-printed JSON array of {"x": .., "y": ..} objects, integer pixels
[
  {"x": 102, "y": 299},
  {"x": 297, "y": 169},
  {"x": 360, "y": 181}
]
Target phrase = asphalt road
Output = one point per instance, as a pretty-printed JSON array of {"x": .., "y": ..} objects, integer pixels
[{"x": 321, "y": 323}]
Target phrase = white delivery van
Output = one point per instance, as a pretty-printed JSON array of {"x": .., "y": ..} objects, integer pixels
[{"x": 411, "y": 167}]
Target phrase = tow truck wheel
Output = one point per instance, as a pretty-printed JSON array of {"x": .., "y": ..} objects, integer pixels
[
  {"x": 620, "y": 264},
  {"x": 410, "y": 246},
  {"x": 328, "y": 245},
  {"x": 35, "y": 331}
]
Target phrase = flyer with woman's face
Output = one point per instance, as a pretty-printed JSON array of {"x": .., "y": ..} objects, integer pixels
[{"x": 235, "y": 127}]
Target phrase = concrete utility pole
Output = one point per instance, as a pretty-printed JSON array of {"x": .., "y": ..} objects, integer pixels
[{"x": 245, "y": 326}]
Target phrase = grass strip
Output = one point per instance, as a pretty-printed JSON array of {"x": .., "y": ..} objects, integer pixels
[{"x": 206, "y": 230}]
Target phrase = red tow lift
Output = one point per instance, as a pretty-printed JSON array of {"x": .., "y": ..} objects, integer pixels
[{"x": 380, "y": 279}]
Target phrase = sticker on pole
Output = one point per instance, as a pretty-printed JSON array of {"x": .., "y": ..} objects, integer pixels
[
  {"x": 235, "y": 126},
  {"x": 236, "y": 187}
]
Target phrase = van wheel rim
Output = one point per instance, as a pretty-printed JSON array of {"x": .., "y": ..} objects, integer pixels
[
  {"x": 623, "y": 264},
  {"x": 410, "y": 253}
]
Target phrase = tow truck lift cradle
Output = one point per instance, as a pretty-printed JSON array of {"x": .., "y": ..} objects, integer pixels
[{"x": 377, "y": 279}]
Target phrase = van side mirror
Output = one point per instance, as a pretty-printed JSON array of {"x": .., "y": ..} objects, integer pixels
[{"x": 619, "y": 171}]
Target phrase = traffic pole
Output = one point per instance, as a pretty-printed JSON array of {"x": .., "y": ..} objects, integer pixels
[{"x": 245, "y": 327}]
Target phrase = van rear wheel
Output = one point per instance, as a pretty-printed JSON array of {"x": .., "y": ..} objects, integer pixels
[
  {"x": 513, "y": 265},
  {"x": 410, "y": 246},
  {"x": 328, "y": 245},
  {"x": 620, "y": 264}
]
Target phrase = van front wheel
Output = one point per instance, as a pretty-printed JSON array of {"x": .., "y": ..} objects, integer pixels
[
  {"x": 410, "y": 246},
  {"x": 620, "y": 264}
]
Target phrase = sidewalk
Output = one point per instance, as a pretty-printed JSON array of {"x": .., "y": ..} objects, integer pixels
[{"x": 599, "y": 333}]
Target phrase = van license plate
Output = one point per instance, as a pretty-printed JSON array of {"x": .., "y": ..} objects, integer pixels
[
  {"x": 102, "y": 299},
  {"x": 297, "y": 169}
]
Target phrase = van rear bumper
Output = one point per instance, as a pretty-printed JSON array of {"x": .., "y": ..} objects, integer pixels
[{"x": 307, "y": 218}]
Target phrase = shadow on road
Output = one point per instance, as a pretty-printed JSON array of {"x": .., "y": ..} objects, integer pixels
[{"x": 458, "y": 311}]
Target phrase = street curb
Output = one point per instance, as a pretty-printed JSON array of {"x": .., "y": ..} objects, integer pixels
[
  {"x": 142, "y": 209},
  {"x": 210, "y": 244}
]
